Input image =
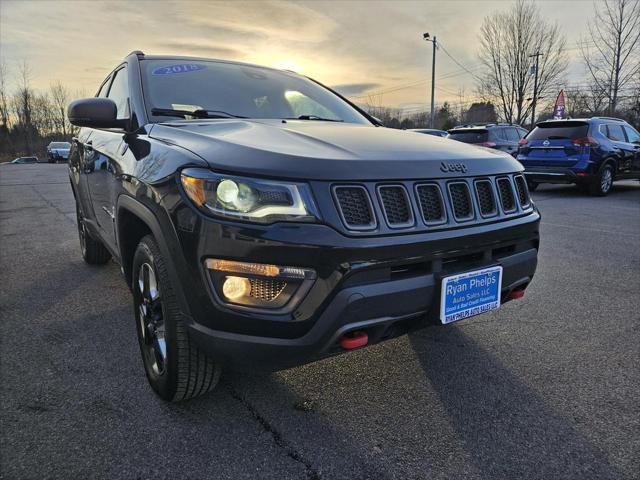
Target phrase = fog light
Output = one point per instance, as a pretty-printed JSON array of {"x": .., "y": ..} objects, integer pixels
[
  {"x": 234, "y": 288},
  {"x": 259, "y": 286}
]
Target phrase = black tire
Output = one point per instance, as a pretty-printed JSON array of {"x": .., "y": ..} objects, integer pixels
[
  {"x": 93, "y": 251},
  {"x": 532, "y": 185},
  {"x": 603, "y": 182},
  {"x": 176, "y": 368}
]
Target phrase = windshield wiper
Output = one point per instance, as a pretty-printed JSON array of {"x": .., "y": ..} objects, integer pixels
[
  {"x": 314, "y": 117},
  {"x": 200, "y": 113}
]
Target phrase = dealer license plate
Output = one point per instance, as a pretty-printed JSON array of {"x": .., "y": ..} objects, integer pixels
[{"x": 471, "y": 293}]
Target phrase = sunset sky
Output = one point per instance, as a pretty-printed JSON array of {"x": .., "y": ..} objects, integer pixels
[{"x": 372, "y": 51}]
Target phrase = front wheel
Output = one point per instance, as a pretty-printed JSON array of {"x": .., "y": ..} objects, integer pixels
[
  {"x": 603, "y": 182},
  {"x": 175, "y": 367}
]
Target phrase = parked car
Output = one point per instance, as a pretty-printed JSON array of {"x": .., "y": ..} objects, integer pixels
[
  {"x": 263, "y": 221},
  {"x": 591, "y": 152},
  {"x": 431, "y": 131},
  {"x": 58, "y": 152},
  {"x": 23, "y": 160},
  {"x": 501, "y": 136}
]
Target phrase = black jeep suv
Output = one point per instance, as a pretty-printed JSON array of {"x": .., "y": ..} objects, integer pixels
[{"x": 263, "y": 221}]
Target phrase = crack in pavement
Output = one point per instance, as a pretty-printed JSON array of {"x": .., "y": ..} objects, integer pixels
[
  {"x": 289, "y": 449},
  {"x": 52, "y": 205}
]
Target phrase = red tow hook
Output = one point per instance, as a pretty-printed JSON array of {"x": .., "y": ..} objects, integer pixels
[
  {"x": 354, "y": 340},
  {"x": 516, "y": 294}
]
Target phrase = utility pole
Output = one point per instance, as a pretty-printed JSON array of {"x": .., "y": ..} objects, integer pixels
[
  {"x": 535, "y": 89},
  {"x": 428, "y": 38}
]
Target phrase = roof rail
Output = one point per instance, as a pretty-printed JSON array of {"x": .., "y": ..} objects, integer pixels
[
  {"x": 137, "y": 52},
  {"x": 610, "y": 118}
]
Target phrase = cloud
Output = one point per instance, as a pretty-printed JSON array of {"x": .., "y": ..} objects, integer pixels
[
  {"x": 349, "y": 89},
  {"x": 273, "y": 20},
  {"x": 195, "y": 46}
]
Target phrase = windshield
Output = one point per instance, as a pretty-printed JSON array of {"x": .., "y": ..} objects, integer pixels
[
  {"x": 60, "y": 145},
  {"x": 239, "y": 90},
  {"x": 559, "y": 131},
  {"x": 469, "y": 136}
]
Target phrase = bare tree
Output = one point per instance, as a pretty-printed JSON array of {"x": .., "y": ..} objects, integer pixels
[
  {"x": 507, "y": 39},
  {"x": 22, "y": 103},
  {"x": 586, "y": 100},
  {"x": 4, "y": 97},
  {"x": 60, "y": 99},
  {"x": 6, "y": 145},
  {"x": 612, "y": 50},
  {"x": 43, "y": 115}
]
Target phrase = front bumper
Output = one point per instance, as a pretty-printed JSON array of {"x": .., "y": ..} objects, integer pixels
[
  {"x": 382, "y": 310},
  {"x": 386, "y": 286}
]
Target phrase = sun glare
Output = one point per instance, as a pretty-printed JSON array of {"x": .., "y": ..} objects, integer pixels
[{"x": 287, "y": 65}]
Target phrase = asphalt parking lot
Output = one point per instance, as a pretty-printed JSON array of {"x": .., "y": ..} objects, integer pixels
[{"x": 547, "y": 387}]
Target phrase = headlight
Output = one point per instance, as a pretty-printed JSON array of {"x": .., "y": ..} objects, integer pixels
[{"x": 254, "y": 200}]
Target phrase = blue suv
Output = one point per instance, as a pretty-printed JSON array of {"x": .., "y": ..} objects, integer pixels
[{"x": 591, "y": 153}]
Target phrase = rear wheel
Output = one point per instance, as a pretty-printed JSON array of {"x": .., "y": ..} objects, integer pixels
[
  {"x": 603, "y": 182},
  {"x": 175, "y": 367},
  {"x": 93, "y": 251}
]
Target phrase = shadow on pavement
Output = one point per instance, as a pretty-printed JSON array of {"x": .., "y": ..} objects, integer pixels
[{"x": 508, "y": 429}]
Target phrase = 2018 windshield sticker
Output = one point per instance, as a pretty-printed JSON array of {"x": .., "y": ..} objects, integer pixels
[{"x": 179, "y": 68}]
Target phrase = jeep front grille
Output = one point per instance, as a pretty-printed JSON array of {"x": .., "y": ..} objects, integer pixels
[
  {"x": 461, "y": 201},
  {"x": 396, "y": 206},
  {"x": 486, "y": 200},
  {"x": 437, "y": 204},
  {"x": 430, "y": 200},
  {"x": 355, "y": 207},
  {"x": 507, "y": 199},
  {"x": 523, "y": 191}
]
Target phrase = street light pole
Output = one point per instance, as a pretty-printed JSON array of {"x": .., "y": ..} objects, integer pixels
[
  {"x": 535, "y": 90},
  {"x": 426, "y": 36}
]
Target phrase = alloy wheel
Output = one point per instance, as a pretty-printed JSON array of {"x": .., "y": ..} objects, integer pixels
[
  {"x": 606, "y": 180},
  {"x": 151, "y": 321}
]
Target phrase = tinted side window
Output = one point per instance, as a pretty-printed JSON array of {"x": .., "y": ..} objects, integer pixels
[
  {"x": 616, "y": 133},
  {"x": 119, "y": 93},
  {"x": 497, "y": 134},
  {"x": 102, "y": 93},
  {"x": 632, "y": 135},
  {"x": 512, "y": 134}
]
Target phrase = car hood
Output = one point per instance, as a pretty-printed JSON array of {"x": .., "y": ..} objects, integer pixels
[{"x": 319, "y": 150}]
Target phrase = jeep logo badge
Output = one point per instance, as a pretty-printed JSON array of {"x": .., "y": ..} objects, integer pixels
[{"x": 453, "y": 167}]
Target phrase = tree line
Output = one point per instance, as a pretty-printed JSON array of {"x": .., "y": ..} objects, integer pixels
[{"x": 30, "y": 119}]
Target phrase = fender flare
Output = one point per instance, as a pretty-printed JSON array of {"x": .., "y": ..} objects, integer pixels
[
  {"x": 142, "y": 212},
  {"x": 610, "y": 160}
]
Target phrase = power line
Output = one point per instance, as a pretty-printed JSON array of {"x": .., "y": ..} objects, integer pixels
[
  {"x": 457, "y": 62},
  {"x": 395, "y": 88}
]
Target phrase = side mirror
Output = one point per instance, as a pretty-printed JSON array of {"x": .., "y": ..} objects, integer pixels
[{"x": 95, "y": 113}]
